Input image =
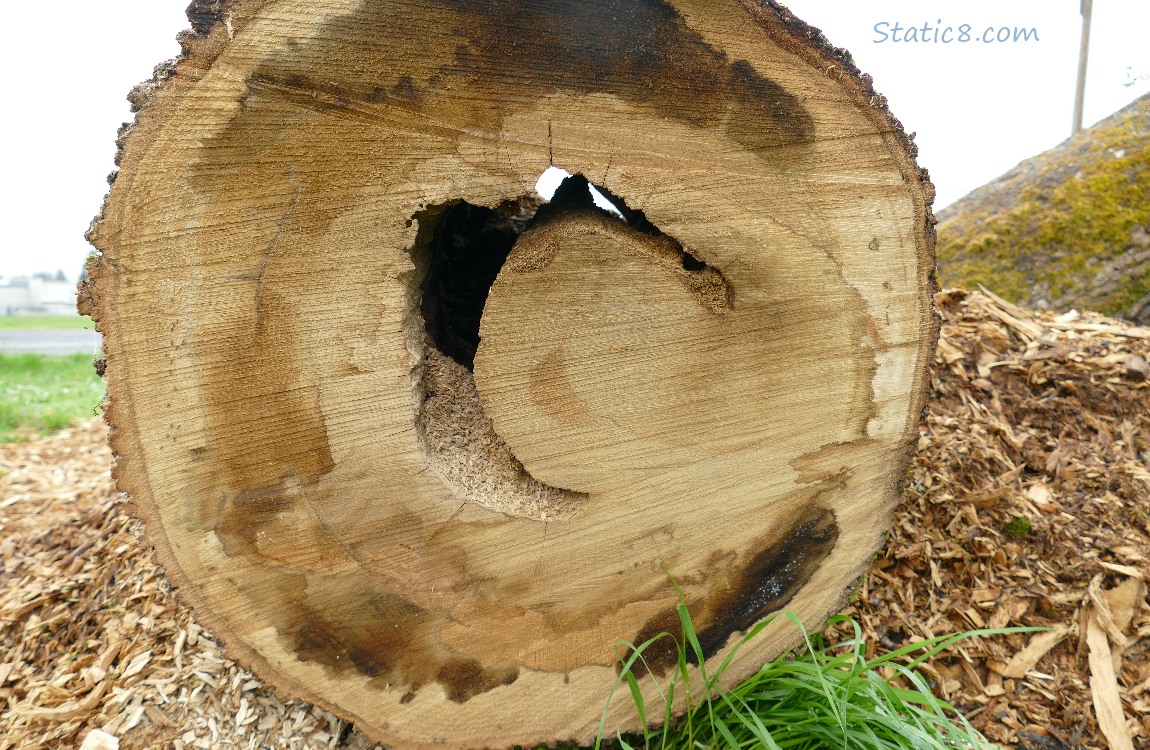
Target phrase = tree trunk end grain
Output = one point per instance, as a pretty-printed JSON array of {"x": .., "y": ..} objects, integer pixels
[{"x": 422, "y": 448}]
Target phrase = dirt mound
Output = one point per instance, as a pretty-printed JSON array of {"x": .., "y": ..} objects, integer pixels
[
  {"x": 1067, "y": 228},
  {"x": 1028, "y": 504}
]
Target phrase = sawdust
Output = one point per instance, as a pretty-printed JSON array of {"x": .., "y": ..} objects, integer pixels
[{"x": 1028, "y": 504}]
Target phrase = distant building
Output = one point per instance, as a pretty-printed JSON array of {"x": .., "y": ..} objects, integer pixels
[{"x": 41, "y": 294}]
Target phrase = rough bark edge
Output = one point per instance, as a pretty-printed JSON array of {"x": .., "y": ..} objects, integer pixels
[
  {"x": 214, "y": 23},
  {"x": 808, "y": 43},
  {"x": 130, "y": 478}
]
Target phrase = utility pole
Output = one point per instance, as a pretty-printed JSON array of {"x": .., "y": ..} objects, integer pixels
[{"x": 1080, "y": 92}]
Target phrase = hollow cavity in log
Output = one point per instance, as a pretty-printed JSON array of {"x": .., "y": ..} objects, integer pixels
[{"x": 463, "y": 249}]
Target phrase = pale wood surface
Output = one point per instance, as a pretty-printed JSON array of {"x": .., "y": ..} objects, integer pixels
[{"x": 343, "y": 504}]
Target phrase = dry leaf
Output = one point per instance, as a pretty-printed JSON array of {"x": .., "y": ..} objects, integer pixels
[{"x": 1124, "y": 600}]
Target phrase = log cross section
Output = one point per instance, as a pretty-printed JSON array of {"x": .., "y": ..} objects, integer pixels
[{"x": 423, "y": 449}]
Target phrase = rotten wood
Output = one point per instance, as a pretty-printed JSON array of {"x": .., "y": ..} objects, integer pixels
[{"x": 436, "y": 513}]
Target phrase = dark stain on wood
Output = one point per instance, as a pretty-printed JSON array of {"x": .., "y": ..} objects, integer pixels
[
  {"x": 640, "y": 50},
  {"x": 264, "y": 416},
  {"x": 241, "y": 518},
  {"x": 375, "y": 633},
  {"x": 370, "y": 630},
  {"x": 663, "y": 652},
  {"x": 830, "y": 463},
  {"x": 466, "y": 678},
  {"x": 772, "y": 578},
  {"x": 506, "y": 51},
  {"x": 762, "y": 586}
]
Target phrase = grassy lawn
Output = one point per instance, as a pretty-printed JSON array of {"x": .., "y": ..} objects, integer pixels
[
  {"x": 43, "y": 322},
  {"x": 41, "y": 393}
]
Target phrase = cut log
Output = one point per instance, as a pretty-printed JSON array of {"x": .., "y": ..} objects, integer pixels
[{"x": 424, "y": 452}]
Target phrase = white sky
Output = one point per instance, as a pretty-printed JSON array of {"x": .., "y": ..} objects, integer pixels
[{"x": 978, "y": 108}]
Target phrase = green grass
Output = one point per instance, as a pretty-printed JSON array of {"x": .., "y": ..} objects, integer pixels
[
  {"x": 43, "y": 322},
  {"x": 827, "y": 696},
  {"x": 41, "y": 393}
]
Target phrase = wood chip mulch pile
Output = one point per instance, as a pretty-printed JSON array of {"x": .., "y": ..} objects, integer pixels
[{"x": 1028, "y": 504}]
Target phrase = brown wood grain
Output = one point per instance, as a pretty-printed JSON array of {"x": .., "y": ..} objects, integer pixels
[{"x": 448, "y": 558}]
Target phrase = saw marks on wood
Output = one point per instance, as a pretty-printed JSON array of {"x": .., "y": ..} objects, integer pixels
[
  {"x": 593, "y": 338},
  {"x": 435, "y": 500}
]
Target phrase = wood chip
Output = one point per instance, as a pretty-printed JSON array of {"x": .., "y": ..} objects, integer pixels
[
  {"x": 137, "y": 664},
  {"x": 1008, "y": 612},
  {"x": 1125, "y": 599},
  {"x": 1104, "y": 615},
  {"x": 1104, "y": 689},
  {"x": 1131, "y": 332},
  {"x": 70, "y": 710},
  {"x": 1137, "y": 368},
  {"x": 1026, "y": 659},
  {"x": 994, "y": 686},
  {"x": 1125, "y": 570},
  {"x": 1040, "y": 494},
  {"x": 98, "y": 739}
]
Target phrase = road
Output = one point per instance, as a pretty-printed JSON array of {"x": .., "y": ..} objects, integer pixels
[{"x": 68, "y": 341}]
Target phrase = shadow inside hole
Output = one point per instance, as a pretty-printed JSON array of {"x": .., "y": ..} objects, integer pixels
[
  {"x": 467, "y": 249},
  {"x": 469, "y": 244}
]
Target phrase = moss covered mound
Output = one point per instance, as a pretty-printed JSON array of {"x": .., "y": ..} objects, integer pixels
[{"x": 1067, "y": 228}]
